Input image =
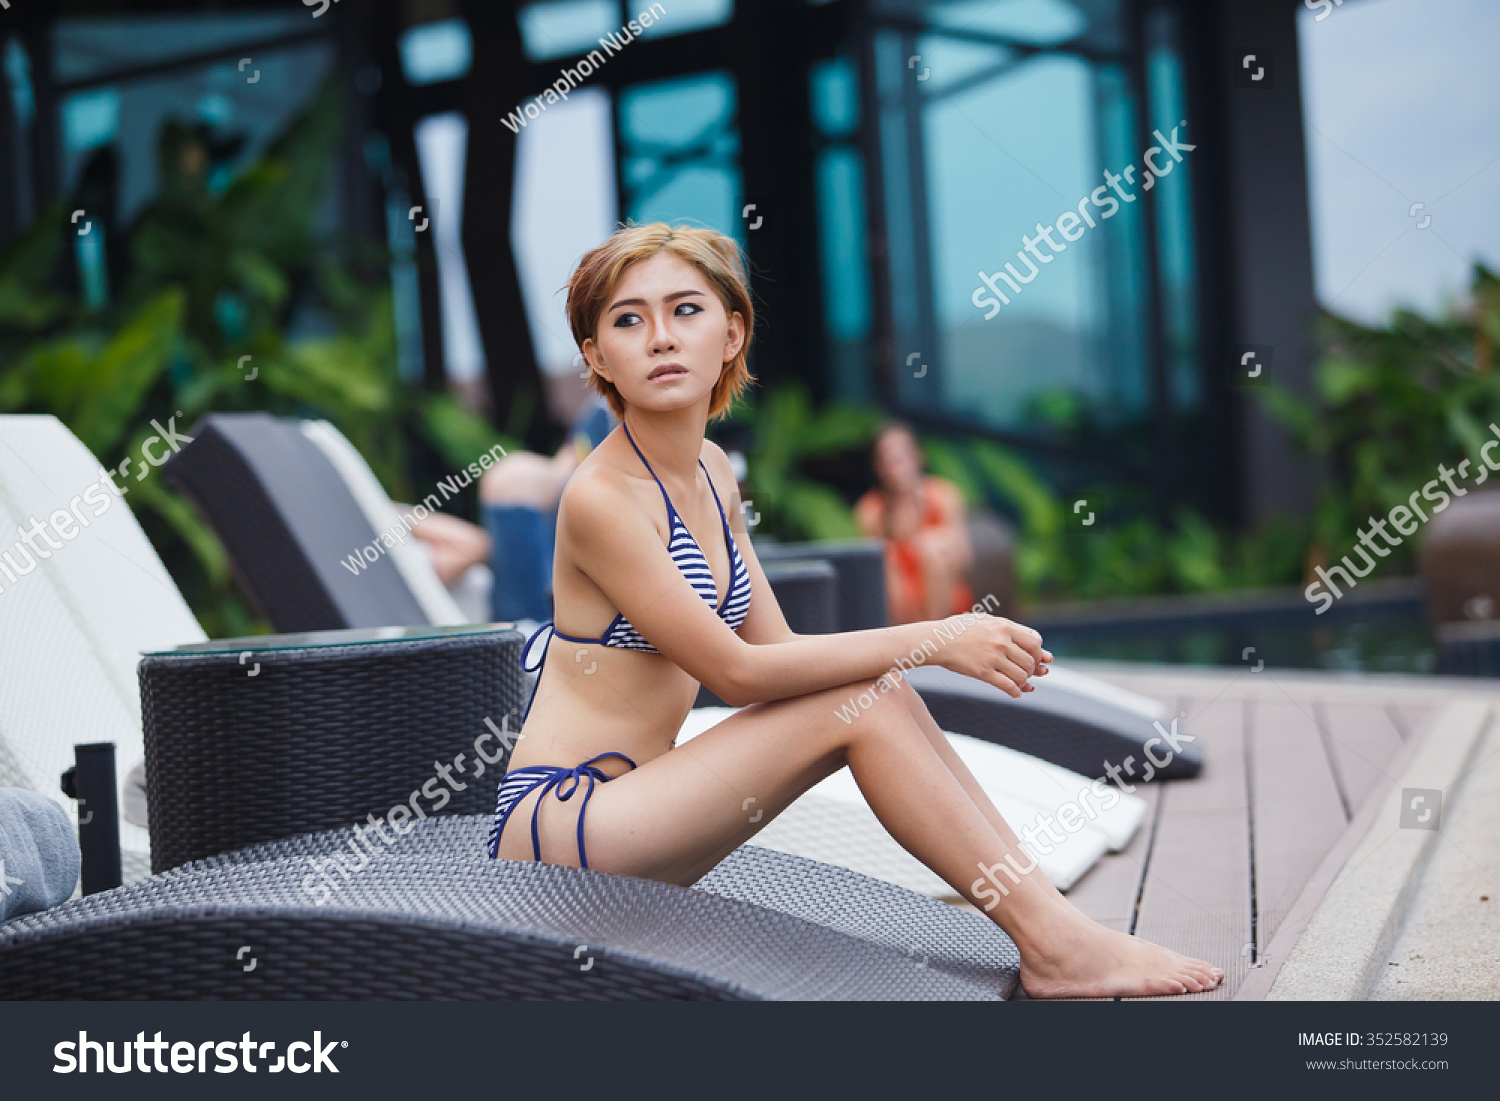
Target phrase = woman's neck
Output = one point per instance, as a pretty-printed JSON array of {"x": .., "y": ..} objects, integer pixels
[{"x": 671, "y": 441}]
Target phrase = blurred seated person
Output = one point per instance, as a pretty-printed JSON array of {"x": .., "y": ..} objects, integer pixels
[
  {"x": 518, "y": 497},
  {"x": 921, "y": 518}
]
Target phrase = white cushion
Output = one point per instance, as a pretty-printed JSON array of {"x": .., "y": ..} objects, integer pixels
[{"x": 74, "y": 627}]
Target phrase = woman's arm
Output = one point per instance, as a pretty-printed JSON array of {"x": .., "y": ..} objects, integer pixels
[{"x": 620, "y": 550}]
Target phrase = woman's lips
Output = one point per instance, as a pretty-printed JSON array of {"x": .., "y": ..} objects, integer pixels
[{"x": 666, "y": 375}]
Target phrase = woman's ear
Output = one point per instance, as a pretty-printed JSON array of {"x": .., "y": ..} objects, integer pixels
[
  {"x": 595, "y": 359},
  {"x": 734, "y": 339}
]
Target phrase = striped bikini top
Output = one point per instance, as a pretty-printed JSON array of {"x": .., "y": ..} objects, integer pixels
[{"x": 693, "y": 564}]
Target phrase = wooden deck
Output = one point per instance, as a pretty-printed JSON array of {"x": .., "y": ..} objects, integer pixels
[{"x": 1227, "y": 860}]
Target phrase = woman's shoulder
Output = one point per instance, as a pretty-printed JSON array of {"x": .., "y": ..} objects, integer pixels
[
  {"x": 935, "y": 485},
  {"x": 594, "y": 489},
  {"x": 717, "y": 461},
  {"x": 942, "y": 500}
]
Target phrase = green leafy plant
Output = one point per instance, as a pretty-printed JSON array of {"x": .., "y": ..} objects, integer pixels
[
  {"x": 788, "y": 432},
  {"x": 1133, "y": 557},
  {"x": 1392, "y": 403},
  {"x": 223, "y": 282}
]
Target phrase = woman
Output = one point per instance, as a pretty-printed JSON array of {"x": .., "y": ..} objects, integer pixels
[
  {"x": 921, "y": 519},
  {"x": 655, "y": 595}
]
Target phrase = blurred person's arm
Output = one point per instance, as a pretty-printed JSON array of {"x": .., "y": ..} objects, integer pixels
[
  {"x": 526, "y": 478},
  {"x": 869, "y": 513},
  {"x": 454, "y": 545}
]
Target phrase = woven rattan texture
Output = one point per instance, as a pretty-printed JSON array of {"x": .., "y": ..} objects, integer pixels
[
  {"x": 861, "y": 577},
  {"x": 1477, "y": 657},
  {"x": 923, "y": 929},
  {"x": 808, "y": 594},
  {"x": 320, "y": 738},
  {"x": 1081, "y": 747},
  {"x": 419, "y": 924}
]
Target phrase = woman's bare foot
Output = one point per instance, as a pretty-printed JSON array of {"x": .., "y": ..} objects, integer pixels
[{"x": 1082, "y": 959}]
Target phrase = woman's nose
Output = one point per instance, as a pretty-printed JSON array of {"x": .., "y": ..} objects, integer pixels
[{"x": 661, "y": 336}]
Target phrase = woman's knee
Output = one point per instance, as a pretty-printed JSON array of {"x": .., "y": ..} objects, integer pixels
[
  {"x": 911, "y": 698},
  {"x": 870, "y": 708}
]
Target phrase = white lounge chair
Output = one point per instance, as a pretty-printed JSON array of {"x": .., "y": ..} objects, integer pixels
[{"x": 76, "y": 621}]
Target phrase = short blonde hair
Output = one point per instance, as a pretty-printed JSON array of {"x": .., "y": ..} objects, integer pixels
[{"x": 716, "y": 257}]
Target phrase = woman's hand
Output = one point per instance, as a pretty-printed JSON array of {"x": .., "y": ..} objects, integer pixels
[{"x": 996, "y": 651}]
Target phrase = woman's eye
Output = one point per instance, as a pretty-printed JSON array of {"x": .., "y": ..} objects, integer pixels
[
  {"x": 691, "y": 307},
  {"x": 626, "y": 320}
]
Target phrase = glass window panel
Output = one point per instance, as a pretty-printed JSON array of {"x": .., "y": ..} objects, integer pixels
[
  {"x": 984, "y": 150},
  {"x": 1122, "y": 275},
  {"x": 442, "y": 144},
  {"x": 564, "y": 206},
  {"x": 905, "y": 217},
  {"x": 87, "y": 48},
  {"x": 996, "y": 172},
  {"x": 1174, "y": 219},
  {"x": 18, "y": 73},
  {"x": 437, "y": 51},
  {"x": 835, "y": 98},
  {"x": 703, "y": 195},
  {"x": 90, "y": 119},
  {"x": 131, "y": 114},
  {"x": 681, "y": 152},
  {"x": 1035, "y": 22},
  {"x": 951, "y": 65},
  {"x": 563, "y": 28},
  {"x": 846, "y": 280},
  {"x": 674, "y": 113},
  {"x": 406, "y": 290},
  {"x": 681, "y": 16}
]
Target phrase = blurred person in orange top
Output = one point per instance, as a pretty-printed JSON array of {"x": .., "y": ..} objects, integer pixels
[{"x": 921, "y": 518}]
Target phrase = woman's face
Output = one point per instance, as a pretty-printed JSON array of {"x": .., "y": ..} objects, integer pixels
[
  {"x": 898, "y": 463},
  {"x": 664, "y": 337}
]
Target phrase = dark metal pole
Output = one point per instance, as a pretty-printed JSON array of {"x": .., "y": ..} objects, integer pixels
[{"x": 92, "y": 782}]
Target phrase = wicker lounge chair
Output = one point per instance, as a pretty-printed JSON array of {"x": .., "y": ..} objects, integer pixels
[
  {"x": 436, "y": 919},
  {"x": 429, "y": 915}
]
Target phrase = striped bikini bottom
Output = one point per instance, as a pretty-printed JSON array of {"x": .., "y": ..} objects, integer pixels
[{"x": 563, "y": 782}]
